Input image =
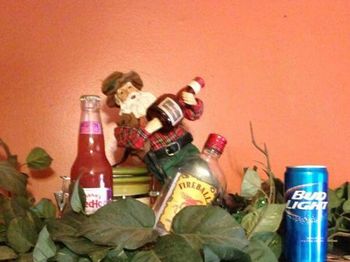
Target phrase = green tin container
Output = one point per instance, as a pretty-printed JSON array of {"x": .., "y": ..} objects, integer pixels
[{"x": 131, "y": 182}]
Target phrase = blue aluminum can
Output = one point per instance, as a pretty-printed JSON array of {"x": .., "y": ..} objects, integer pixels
[{"x": 306, "y": 189}]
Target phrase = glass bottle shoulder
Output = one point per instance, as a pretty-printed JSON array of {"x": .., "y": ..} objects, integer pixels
[{"x": 198, "y": 167}]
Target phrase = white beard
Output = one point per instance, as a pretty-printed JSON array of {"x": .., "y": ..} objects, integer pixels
[{"x": 137, "y": 105}]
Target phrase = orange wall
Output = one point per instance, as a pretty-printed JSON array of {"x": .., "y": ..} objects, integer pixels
[{"x": 284, "y": 65}]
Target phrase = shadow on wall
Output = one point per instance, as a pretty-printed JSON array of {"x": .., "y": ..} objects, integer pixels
[{"x": 41, "y": 174}]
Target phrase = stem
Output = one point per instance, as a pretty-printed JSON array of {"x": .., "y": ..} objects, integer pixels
[
  {"x": 265, "y": 195},
  {"x": 253, "y": 140},
  {"x": 5, "y": 147},
  {"x": 338, "y": 234},
  {"x": 265, "y": 152},
  {"x": 267, "y": 158}
]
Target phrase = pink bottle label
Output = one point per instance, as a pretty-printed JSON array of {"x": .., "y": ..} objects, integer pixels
[
  {"x": 90, "y": 127},
  {"x": 96, "y": 198}
]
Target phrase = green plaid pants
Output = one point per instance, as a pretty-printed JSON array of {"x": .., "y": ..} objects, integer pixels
[{"x": 167, "y": 166}]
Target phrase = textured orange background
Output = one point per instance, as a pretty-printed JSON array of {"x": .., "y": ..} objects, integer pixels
[{"x": 284, "y": 65}]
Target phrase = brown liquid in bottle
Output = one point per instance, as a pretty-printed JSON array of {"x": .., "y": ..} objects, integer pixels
[{"x": 169, "y": 110}]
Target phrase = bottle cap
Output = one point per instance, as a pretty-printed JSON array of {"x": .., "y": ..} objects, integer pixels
[
  {"x": 216, "y": 142},
  {"x": 90, "y": 97},
  {"x": 90, "y": 102},
  {"x": 197, "y": 84}
]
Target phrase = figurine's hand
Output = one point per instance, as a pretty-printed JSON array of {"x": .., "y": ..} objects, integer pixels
[
  {"x": 153, "y": 125},
  {"x": 189, "y": 98}
]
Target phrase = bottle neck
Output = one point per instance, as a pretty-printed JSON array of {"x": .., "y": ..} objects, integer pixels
[
  {"x": 90, "y": 115},
  {"x": 193, "y": 87},
  {"x": 210, "y": 154},
  {"x": 91, "y": 139}
]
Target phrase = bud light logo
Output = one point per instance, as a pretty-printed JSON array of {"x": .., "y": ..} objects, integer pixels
[
  {"x": 302, "y": 198},
  {"x": 307, "y": 200}
]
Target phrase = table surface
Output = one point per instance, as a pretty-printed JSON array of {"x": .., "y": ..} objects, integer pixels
[{"x": 338, "y": 258}]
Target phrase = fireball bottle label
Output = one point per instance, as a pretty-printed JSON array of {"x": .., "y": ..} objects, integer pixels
[
  {"x": 187, "y": 191},
  {"x": 96, "y": 198}
]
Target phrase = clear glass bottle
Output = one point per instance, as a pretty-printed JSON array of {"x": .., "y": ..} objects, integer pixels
[
  {"x": 167, "y": 108},
  {"x": 91, "y": 166},
  {"x": 199, "y": 182}
]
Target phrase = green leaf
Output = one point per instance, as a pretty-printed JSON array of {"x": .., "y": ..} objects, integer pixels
[
  {"x": 116, "y": 255},
  {"x": 98, "y": 255},
  {"x": 2, "y": 233},
  {"x": 38, "y": 159},
  {"x": 65, "y": 230},
  {"x": 344, "y": 224},
  {"x": 13, "y": 160},
  {"x": 346, "y": 206},
  {"x": 39, "y": 223},
  {"x": 331, "y": 219},
  {"x": 169, "y": 248},
  {"x": 45, "y": 209},
  {"x": 251, "y": 219},
  {"x": 21, "y": 234},
  {"x": 7, "y": 253},
  {"x": 251, "y": 183},
  {"x": 238, "y": 216},
  {"x": 12, "y": 180},
  {"x": 68, "y": 225},
  {"x": 12, "y": 208},
  {"x": 16, "y": 207},
  {"x": 76, "y": 201},
  {"x": 341, "y": 191},
  {"x": 333, "y": 200},
  {"x": 126, "y": 223},
  {"x": 23, "y": 201},
  {"x": 148, "y": 256},
  {"x": 212, "y": 254},
  {"x": 84, "y": 259},
  {"x": 212, "y": 227},
  {"x": 259, "y": 252},
  {"x": 26, "y": 257},
  {"x": 271, "y": 218},
  {"x": 270, "y": 239},
  {"x": 45, "y": 248},
  {"x": 331, "y": 231},
  {"x": 267, "y": 219},
  {"x": 65, "y": 255},
  {"x": 260, "y": 201}
]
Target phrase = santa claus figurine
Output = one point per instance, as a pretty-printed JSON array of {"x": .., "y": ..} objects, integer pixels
[{"x": 165, "y": 151}]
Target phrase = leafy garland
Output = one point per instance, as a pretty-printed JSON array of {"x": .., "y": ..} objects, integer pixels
[{"x": 246, "y": 227}]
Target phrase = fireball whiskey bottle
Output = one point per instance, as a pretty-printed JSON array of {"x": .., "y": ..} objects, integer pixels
[
  {"x": 167, "y": 108},
  {"x": 91, "y": 166},
  {"x": 199, "y": 182}
]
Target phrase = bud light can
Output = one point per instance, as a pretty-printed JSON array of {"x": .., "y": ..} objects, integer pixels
[{"x": 306, "y": 220}]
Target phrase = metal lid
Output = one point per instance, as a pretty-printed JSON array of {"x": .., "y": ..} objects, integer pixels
[
  {"x": 90, "y": 97},
  {"x": 216, "y": 142},
  {"x": 197, "y": 84}
]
